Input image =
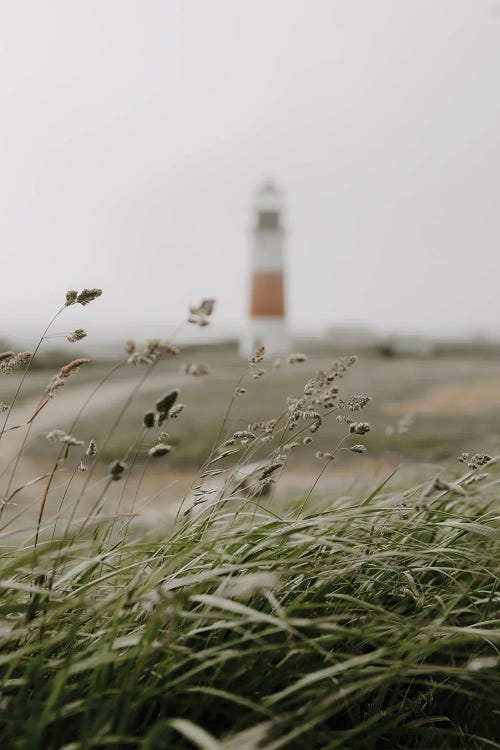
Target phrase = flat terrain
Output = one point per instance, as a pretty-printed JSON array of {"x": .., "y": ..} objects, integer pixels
[{"x": 424, "y": 412}]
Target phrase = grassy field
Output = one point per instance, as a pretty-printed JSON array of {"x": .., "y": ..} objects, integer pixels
[
  {"x": 229, "y": 575},
  {"x": 453, "y": 403},
  {"x": 467, "y": 394},
  {"x": 423, "y": 413}
]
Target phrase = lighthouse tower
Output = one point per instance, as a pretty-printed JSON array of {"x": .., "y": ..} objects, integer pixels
[{"x": 267, "y": 322}]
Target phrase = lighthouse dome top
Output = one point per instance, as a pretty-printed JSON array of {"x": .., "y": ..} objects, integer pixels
[{"x": 268, "y": 197}]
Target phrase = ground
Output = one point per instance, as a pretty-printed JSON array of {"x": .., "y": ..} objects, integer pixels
[{"x": 424, "y": 412}]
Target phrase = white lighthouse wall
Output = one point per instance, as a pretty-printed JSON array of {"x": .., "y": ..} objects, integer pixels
[
  {"x": 267, "y": 250},
  {"x": 270, "y": 332}
]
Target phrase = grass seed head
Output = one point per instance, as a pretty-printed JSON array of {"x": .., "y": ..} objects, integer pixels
[
  {"x": 358, "y": 448},
  {"x": 130, "y": 346},
  {"x": 359, "y": 428},
  {"x": 206, "y": 307},
  {"x": 297, "y": 358},
  {"x": 73, "y": 366},
  {"x": 92, "y": 448},
  {"x": 270, "y": 425},
  {"x": 77, "y": 335},
  {"x": 9, "y": 363},
  {"x": 116, "y": 469},
  {"x": 355, "y": 403},
  {"x": 88, "y": 295},
  {"x": 266, "y": 473},
  {"x": 57, "y": 381},
  {"x": 244, "y": 435},
  {"x": 71, "y": 296},
  {"x": 55, "y": 436},
  {"x": 60, "y": 436},
  {"x": 22, "y": 358},
  {"x": 479, "y": 459},
  {"x": 258, "y": 356},
  {"x": 195, "y": 369},
  {"x": 161, "y": 449},
  {"x": 199, "y": 315},
  {"x": 176, "y": 410},
  {"x": 165, "y": 405}
]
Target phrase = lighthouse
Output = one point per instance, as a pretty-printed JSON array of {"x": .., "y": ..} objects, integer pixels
[{"x": 267, "y": 324}]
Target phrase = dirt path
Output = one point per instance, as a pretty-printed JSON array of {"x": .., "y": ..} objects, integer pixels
[{"x": 453, "y": 399}]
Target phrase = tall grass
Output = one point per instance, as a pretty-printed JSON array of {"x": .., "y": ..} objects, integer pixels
[{"x": 326, "y": 623}]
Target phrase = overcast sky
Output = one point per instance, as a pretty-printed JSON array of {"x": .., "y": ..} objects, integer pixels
[{"x": 133, "y": 134}]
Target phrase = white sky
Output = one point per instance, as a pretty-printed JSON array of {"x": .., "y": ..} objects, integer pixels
[{"x": 133, "y": 133}]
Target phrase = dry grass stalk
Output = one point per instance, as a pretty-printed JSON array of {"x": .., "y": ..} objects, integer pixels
[
  {"x": 92, "y": 448},
  {"x": 154, "y": 349},
  {"x": 196, "y": 369},
  {"x": 77, "y": 335},
  {"x": 10, "y": 361},
  {"x": 57, "y": 381},
  {"x": 199, "y": 315},
  {"x": 161, "y": 449}
]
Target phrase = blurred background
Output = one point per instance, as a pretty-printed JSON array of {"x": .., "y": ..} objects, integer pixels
[{"x": 133, "y": 138}]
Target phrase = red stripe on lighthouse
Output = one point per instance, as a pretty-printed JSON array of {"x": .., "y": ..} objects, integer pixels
[{"x": 267, "y": 295}]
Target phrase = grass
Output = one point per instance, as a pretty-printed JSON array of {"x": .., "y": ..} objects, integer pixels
[
  {"x": 349, "y": 627},
  {"x": 368, "y": 623}
]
